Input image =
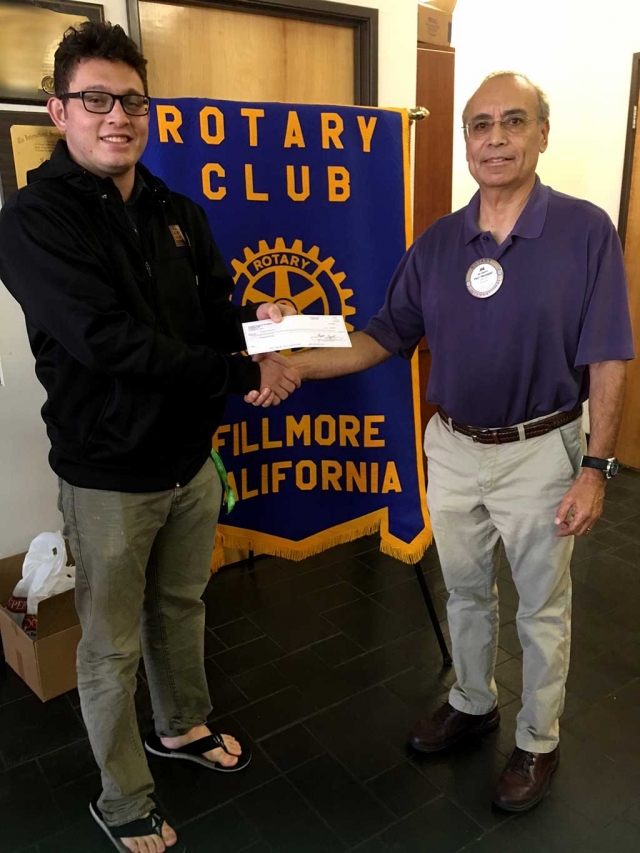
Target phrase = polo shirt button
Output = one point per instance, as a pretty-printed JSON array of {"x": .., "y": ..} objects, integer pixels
[{"x": 485, "y": 237}]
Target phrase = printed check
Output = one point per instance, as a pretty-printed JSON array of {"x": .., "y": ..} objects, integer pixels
[{"x": 294, "y": 332}]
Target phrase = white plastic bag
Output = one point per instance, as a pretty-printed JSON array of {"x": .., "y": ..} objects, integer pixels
[
  {"x": 45, "y": 571},
  {"x": 31, "y": 563}
]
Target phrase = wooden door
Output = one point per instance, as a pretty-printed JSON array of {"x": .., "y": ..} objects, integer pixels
[
  {"x": 628, "y": 449},
  {"x": 433, "y": 165},
  {"x": 210, "y": 52},
  {"x": 434, "y": 136}
]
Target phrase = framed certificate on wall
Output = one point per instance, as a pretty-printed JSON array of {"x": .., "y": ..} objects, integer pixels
[
  {"x": 30, "y": 32},
  {"x": 26, "y": 140}
]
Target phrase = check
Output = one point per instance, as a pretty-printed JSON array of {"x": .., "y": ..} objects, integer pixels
[{"x": 299, "y": 330}]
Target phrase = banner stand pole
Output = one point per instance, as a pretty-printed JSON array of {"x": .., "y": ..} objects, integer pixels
[
  {"x": 419, "y": 114},
  {"x": 446, "y": 657}
]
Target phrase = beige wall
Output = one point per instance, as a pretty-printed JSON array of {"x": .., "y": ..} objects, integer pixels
[
  {"x": 580, "y": 52},
  {"x": 27, "y": 485},
  {"x": 398, "y": 22}
]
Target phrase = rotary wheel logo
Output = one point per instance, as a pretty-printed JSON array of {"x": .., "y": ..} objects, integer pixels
[{"x": 289, "y": 274}]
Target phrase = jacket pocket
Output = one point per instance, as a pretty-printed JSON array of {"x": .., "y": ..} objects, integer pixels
[{"x": 98, "y": 421}]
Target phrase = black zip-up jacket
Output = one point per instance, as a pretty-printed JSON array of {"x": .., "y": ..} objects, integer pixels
[{"x": 132, "y": 329}]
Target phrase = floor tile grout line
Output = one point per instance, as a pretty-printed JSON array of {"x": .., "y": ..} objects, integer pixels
[
  {"x": 251, "y": 703},
  {"x": 441, "y": 795},
  {"x": 36, "y": 758},
  {"x": 63, "y": 822},
  {"x": 278, "y": 773},
  {"x": 18, "y": 698},
  {"x": 339, "y": 634},
  {"x": 313, "y": 809},
  {"x": 211, "y": 631},
  {"x": 450, "y": 797},
  {"x": 242, "y": 645},
  {"x": 228, "y": 648},
  {"x": 316, "y": 712},
  {"x": 309, "y": 646},
  {"x": 248, "y": 614},
  {"x": 319, "y": 568},
  {"x": 363, "y": 784}
]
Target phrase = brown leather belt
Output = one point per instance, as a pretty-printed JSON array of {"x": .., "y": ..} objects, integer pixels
[{"x": 508, "y": 434}]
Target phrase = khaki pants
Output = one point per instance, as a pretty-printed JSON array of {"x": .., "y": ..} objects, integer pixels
[
  {"x": 477, "y": 495},
  {"x": 142, "y": 564}
]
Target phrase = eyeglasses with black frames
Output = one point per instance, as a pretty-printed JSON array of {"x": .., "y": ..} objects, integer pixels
[{"x": 104, "y": 102}]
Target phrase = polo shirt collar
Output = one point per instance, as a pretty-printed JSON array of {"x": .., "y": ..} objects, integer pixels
[{"x": 530, "y": 222}]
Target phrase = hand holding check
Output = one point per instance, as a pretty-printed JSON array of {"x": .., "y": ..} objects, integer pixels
[{"x": 282, "y": 330}]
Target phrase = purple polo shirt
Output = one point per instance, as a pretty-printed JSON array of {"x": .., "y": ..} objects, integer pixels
[{"x": 523, "y": 352}]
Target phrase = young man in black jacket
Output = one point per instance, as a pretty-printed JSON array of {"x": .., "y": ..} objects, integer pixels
[{"x": 126, "y": 299}]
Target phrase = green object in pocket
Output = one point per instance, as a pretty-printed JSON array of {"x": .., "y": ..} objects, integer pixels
[{"x": 228, "y": 495}]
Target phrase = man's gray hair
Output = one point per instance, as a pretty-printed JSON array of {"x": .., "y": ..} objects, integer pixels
[{"x": 543, "y": 101}]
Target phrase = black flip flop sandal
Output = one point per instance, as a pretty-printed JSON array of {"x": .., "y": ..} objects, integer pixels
[
  {"x": 150, "y": 825},
  {"x": 194, "y": 752}
]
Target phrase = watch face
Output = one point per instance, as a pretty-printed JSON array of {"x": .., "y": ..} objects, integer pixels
[{"x": 614, "y": 467}]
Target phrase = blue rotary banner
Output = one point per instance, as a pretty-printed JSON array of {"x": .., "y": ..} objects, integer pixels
[{"x": 310, "y": 205}]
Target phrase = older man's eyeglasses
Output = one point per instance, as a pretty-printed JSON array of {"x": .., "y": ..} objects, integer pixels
[
  {"x": 480, "y": 128},
  {"x": 103, "y": 102}
]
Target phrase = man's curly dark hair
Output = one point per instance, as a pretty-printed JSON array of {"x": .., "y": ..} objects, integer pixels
[{"x": 92, "y": 40}]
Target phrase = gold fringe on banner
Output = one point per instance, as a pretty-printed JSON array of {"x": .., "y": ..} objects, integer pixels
[
  {"x": 275, "y": 546},
  {"x": 377, "y": 521}
]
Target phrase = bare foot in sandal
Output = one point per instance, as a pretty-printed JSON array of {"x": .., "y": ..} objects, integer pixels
[
  {"x": 151, "y": 843},
  {"x": 148, "y": 834},
  {"x": 218, "y": 755}
]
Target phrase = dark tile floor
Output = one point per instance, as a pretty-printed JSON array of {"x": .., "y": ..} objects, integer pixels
[{"x": 322, "y": 666}]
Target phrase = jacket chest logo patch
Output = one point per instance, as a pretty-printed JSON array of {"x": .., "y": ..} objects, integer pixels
[{"x": 178, "y": 236}]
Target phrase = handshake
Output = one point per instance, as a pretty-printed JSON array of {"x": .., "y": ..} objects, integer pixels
[{"x": 277, "y": 380}]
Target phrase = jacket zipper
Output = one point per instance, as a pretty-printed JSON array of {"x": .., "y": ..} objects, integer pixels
[
  {"x": 140, "y": 244},
  {"x": 192, "y": 258},
  {"x": 147, "y": 266}
]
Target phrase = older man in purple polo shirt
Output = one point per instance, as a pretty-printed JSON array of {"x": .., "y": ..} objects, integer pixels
[{"x": 522, "y": 297}]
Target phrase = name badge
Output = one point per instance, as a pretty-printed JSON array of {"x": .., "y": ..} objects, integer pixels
[
  {"x": 178, "y": 236},
  {"x": 484, "y": 278}
]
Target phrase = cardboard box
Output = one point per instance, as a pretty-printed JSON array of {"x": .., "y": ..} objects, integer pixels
[
  {"x": 48, "y": 663},
  {"x": 434, "y": 21}
]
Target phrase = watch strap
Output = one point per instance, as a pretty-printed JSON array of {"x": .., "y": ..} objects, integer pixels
[
  {"x": 595, "y": 462},
  {"x": 609, "y": 467}
]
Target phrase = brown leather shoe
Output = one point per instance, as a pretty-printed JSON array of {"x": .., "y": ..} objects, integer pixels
[
  {"x": 525, "y": 780},
  {"x": 447, "y": 726}
]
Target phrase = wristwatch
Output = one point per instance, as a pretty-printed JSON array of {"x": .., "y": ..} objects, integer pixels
[{"x": 610, "y": 467}]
